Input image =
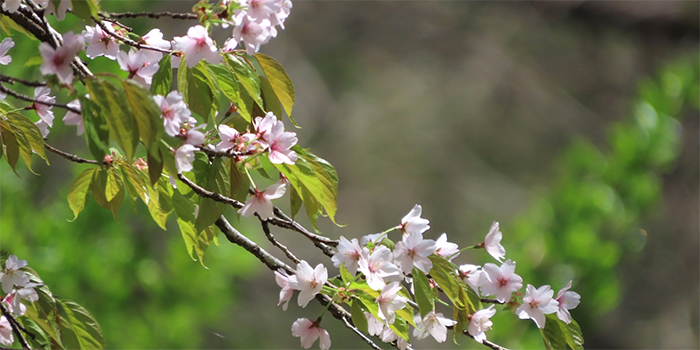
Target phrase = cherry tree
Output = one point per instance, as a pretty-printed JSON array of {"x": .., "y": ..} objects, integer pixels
[{"x": 162, "y": 137}]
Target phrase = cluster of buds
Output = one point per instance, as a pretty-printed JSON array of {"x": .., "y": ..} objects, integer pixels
[
  {"x": 386, "y": 267},
  {"x": 17, "y": 287}
]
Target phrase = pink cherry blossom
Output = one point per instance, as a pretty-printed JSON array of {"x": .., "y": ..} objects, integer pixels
[
  {"x": 252, "y": 33},
  {"x": 390, "y": 301},
  {"x": 6, "y": 337},
  {"x": 471, "y": 275},
  {"x": 412, "y": 222},
  {"x": 193, "y": 136},
  {"x": 137, "y": 63},
  {"x": 480, "y": 322},
  {"x": 388, "y": 336},
  {"x": 5, "y": 46},
  {"x": 72, "y": 118},
  {"x": 309, "y": 331},
  {"x": 11, "y": 6},
  {"x": 229, "y": 137},
  {"x": 378, "y": 268},
  {"x": 567, "y": 301},
  {"x": 287, "y": 292},
  {"x": 43, "y": 110},
  {"x": 100, "y": 43},
  {"x": 413, "y": 250},
  {"x": 446, "y": 249},
  {"x": 500, "y": 281},
  {"x": 197, "y": 45},
  {"x": 280, "y": 144},
  {"x": 492, "y": 242},
  {"x": 184, "y": 156},
  {"x": 25, "y": 292},
  {"x": 308, "y": 281},
  {"x": 58, "y": 61},
  {"x": 537, "y": 303},
  {"x": 154, "y": 38},
  {"x": 350, "y": 253},
  {"x": 174, "y": 110},
  {"x": 263, "y": 127},
  {"x": 374, "y": 325},
  {"x": 434, "y": 324},
  {"x": 261, "y": 202},
  {"x": 12, "y": 276}
]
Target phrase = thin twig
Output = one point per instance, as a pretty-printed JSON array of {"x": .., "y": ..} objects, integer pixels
[
  {"x": 154, "y": 15},
  {"x": 71, "y": 157},
  {"x": 492, "y": 301},
  {"x": 291, "y": 224},
  {"x": 130, "y": 42},
  {"x": 359, "y": 333},
  {"x": 29, "y": 99},
  {"x": 488, "y": 343},
  {"x": 12, "y": 80},
  {"x": 209, "y": 194},
  {"x": 276, "y": 243},
  {"x": 15, "y": 327}
]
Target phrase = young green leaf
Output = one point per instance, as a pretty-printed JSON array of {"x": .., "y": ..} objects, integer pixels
[
  {"x": 85, "y": 9},
  {"x": 217, "y": 180},
  {"x": 30, "y": 131},
  {"x": 163, "y": 79},
  {"x": 423, "y": 292},
  {"x": 78, "y": 193},
  {"x": 96, "y": 128},
  {"x": 146, "y": 114},
  {"x": 81, "y": 324},
  {"x": 114, "y": 184},
  {"x": 553, "y": 334},
  {"x": 9, "y": 144},
  {"x": 227, "y": 82},
  {"x": 246, "y": 76},
  {"x": 358, "y": 316},
  {"x": 270, "y": 100},
  {"x": 279, "y": 81}
]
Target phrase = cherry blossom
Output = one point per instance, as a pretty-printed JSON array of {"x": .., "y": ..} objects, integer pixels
[
  {"x": 390, "y": 301},
  {"x": 137, "y": 63},
  {"x": 537, "y": 303},
  {"x": 471, "y": 275},
  {"x": 5, "y": 46},
  {"x": 63, "y": 7},
  {"x": 58, "y": 61},
  {"x": 11, "y": 6},
  {"x": 434, "y": 324},
  {"x": 43, "y": 110},
  {"x": 6, "y": 337},
  {"x": 371, "y": 238},
  {"x": 11, "y": 276},
  {"x": 350, "y": 253},
  {"x": 412, "y": 222},
  {"x": 500, "y": 281},
  {"x": 193, "y": 136},
  {"x": 261, "y": 202},
  {"x": 413, "y": 250},
  {"x": 197, "y": 45},
  {"x": 100, "y": 43},
  {"x": 480, "y": 322},
  {"x": 446, "y": 249},
  {"x": 287, "y": 292},
  {"x": 280, "y": 144},
  {"x": 568, "y": 300},
  {"x": 309, "y": 331},
  {"x": 308, "y": 281},
  {"x": 72, "y": 118},
  {"x": 25, "y": 292},
  {"x": 389, "y": 336},
  {"x": 263, "y": 127},
  {"x": 8, "y": 301},
  {"x": 374, "y": 325},
  {"x": 154, "y": 38},
  {"x": 377, "y": 267},
  {"x": 184, "y": 156},
  {"x": 174, "y": 110},
  {"x": 492, "y": 242},
  {"x": 252, "y": 33}
]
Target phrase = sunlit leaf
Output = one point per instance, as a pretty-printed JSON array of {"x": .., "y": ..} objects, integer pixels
[
  {"x": 163, "y": 79},
  {"x": 78, "y": 193},
  {"x": 96, "y": 128},
  {"x": 358, "y": 316},
  {"x": 423, "y": 292},
  {"x": 81, "y": 324},
  {"x": 147, "y": 115},
  {"x": 279, "y": 81}
]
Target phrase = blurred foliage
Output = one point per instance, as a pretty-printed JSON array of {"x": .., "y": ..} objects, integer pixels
[{"x": 592, "y": 215}]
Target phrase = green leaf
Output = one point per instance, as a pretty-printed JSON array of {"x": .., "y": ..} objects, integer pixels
[
  {"x": 445, "y": 276},
  {"x": 78, "y": 193},
  {"x": 553, "y": 334},
  {"x": 155, "y": 165},
  {"x": 217, "y": 180},
  {"x": 96, "y": 128},
  {"x": 246, "y": 77},
  {"x": 195, "y": 243},
  {"x": 81, "y": 324},
  {"x": 99, "y": 189},
  {"x": 279, "y": 81},
  {"x": 163, "y": 79},
  {"x": 199, "y": 88},
  {"x": 40, "y": 339},
  {"x": 146, "y": 114},
  {"x": 368, "y": 301},
  {"x": 227, "y": 82},
  {"x": 460, "y": 314},
  {"x": 574, "y": 337},
  {"x": 346, "y": 275},
  {"x": 113, "y": 105},
  {"x": 235, "y": 179},
  {"x": 8, "y": 24},
  {"x": 9, "y": 144},
  {"x": 270, "y": 100},
  {"x": 43, "y": 311},
  {"x": 245, "y": 105},
  {"x": 85, "y": 9},
  {"x": 25, "y": 149},
  {"x": 358, "y": 316},
  {"x": 295, "y": 201},
  {"x": 423, "y": 292},
  {"x": 31, "y": 132},
  {"x": 114, "y": 184}
]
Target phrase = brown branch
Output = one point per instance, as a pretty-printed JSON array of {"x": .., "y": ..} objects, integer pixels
[
  {"x": 71, "y": 157},
  {"x": 209, "y": 194},
  {"x": 488, "y": 343},
  {"x": 491, "y": 301},
  {"x": 15, "y": 326},
  {"x": 29, "y": 99},
  {"x": 12, "y": 80},
  {"x": 276, "y": 243},
  {"x": 154, "y": 15},
  {"x": 130, "y": 42},
  {"x": 287, "y": 222}
]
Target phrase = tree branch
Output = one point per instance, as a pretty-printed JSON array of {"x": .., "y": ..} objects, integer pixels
[
  {"x": 209, "y": 194},
  {"x": 154, "y": 15},
  {"x": 15, "y": 326},
  {"x": 29, "y": 99},
  {"x": 271, "y": 238},
  {"x": 71, "y": 157},
  {"x": 130, "y": 42},
  {"x": 10, "y": 80}
]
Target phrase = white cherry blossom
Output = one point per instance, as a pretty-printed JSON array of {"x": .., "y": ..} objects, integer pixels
[
  {"x": 378, "y": 268},
  {"x": 11, "y": 6},
  {"x": 154, "y": 38},
  {"x": 197, "y": 45},
  {"x": 308, "y": 281},
  {"x": 5, "y": 46},
  {"x": 11, "y": 276},
  {"x": 175, "y": 112},
  {"x": 446, "y": 249},
  {"x": 6, "y": 336},
  {"x": 480, "y": 322},
  {"x": 252, "y": 33},
  {"x": 193, "y": 136},
  {"x": 263, "y": 127},
  {"x": 99, "y": 43},
  {"x": 471, "y": 275},
  {"x": 500, "y": 281},
  {"x": 43, "y": 110},
  {"x": 137, "y": 63},
  {"x": 568, "y": 300},
  {"x": 434, "y": 324},
  {"x": 72, "y": 118},
  {"x": 59, "y": 13},
  {"x": 412, "y": 222},
  {"x": 58, "y": 61},
  {"x": 389, "y": 336},
  {"x": 25, "y": 292},
  {"x": 350, "y": 253},
  {"x": 309, "y": 331},
  {"x": 184, "y": 156},
  {"x": 390, "y": 301},
  {"x": 374, "y": 325},
  {"x": 537, "y": 303},
  {"x": 280, "y": 144},
  {"x": 8, "y": 301},
  {"x": 287, "y": 292},
  {"x": 413, "y": 250},
  {"x": 261, "y": 201},
  {"x": 492, "y": 242}
]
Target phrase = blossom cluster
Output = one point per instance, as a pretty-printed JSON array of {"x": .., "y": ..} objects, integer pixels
[
  {"x": 17, "y": 287},
  {"x": 385, "y": 270}
]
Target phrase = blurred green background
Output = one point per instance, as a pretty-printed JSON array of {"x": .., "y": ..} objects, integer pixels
[{"x": 574, "y": 124}]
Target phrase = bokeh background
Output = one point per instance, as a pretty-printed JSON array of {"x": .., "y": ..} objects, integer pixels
[{"x": 573, "y": 124}]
